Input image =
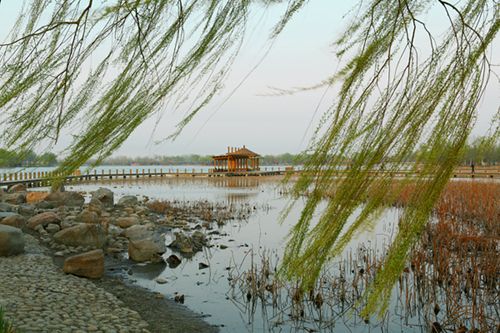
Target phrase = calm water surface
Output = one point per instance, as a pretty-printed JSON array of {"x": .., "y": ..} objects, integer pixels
[{"x": 208, "y": 291}]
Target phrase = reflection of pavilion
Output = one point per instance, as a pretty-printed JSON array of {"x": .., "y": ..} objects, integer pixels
[{"x": 236, "y": 159}]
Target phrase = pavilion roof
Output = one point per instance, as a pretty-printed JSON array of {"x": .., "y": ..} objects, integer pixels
[{"x": 239, "y": 152}]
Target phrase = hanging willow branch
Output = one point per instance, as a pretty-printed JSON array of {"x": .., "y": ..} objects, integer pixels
[
  {"x": 101, "y": 68},
  {"x": 432, "y": 101}
]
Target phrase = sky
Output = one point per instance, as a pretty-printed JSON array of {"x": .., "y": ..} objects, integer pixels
[{"x": 300, "y": 57}]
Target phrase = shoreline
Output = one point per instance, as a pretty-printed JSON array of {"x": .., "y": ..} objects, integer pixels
[{"x": 25, "y": 296}]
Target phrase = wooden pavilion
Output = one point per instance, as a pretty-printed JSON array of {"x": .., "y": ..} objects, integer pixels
[{"x": 236, "y": 159}]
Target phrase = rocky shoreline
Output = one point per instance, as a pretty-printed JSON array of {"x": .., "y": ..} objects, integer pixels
[{"x": 37, "y": 292}]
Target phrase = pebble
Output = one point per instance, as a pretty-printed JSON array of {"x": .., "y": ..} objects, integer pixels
[{"x": 40, "y": 297}]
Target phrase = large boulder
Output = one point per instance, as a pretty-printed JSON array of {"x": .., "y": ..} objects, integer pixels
[
  {"x": 18, "y": 188},
  {"x": 15, "y": 198},
  {"x": 35, "y": 197},
  {"x": 105, "y": 196},
  {"x": 26, "y": 209},
  {"x": 127, "y": 222},
  {"x": 134, "y": 230},
  {"x": 15, "y": 220},
  {"x": 43, "y": 219},
  {"x": 5, "y": 207},
  {"x": 68, "y": 199},
  {"x": 96, "y": 206},
  {"x": 85, "y": 216},
  {"x": 89, "y": 265},
  {"x": 82, "y": 235},
  {"x": 128, "y": 200},
  {"x": 145, "y": 246},
  {"x": 11, "y": 241}
]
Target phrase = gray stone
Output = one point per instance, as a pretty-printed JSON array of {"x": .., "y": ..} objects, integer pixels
[
  {"x": 52, "y": 228},
  {"x": 82, "y": 235},
  {"x": 127, "y": 222},
  {"x": 134, "y": 230},
  {"x": 115, "y": 231},
  {"x": 128, "y": 200},
  {"x": 6, "y": 214},
  {"x": 68, "y": 199},
  {"x": 87, "y": 216},
  {"x": 44, "y": 205},
  {"x": 189, "y": 244},
  {"x": 144, "y": 246},
  {"x": 5, "y": 207},
  {"x": 105, "y": 196},
  {"x": 11, "y": 241},
  {"x": 15, "y": 198},
  {"x": 15, "y": 220},
  {"x": 26, "y": 209},
  {"x": 96, "y": 206}
]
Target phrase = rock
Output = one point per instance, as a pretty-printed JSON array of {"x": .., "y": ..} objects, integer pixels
[
  {"x": 5, "y": 207},
  {"x": 173, "y": 261},
  {"x": 141, "y": 210},
  {"x": 188, "y": 244},
  {"x": 144, "y": 246},
  {"x": 16, "y": 221},
  {"x": 35, "y": 197},
  {"x": 43, "y": 219},
  {"x": 67, "y": 224},
  {"x": 127, "y": 222},
  {"x": 128, "y": 200},
  {"x": 202, "y": 265},
  {"x": 223, "y": 247},
  {"x": 15, "y": 198},
  {"x": 69, "y": 199},
  {"x": 89, "y": 265},
  {"x": 82, "y": 235},
  {"x": 134, "y": 230},
  {"x": 96, "y": 206},
  {"x": 19, "y": 188},
  {"x": 115, "y": 231},
  {"x": 26, "y": 209},
  {"x": 105, "y": 196},
  {"x": 11, "y": 241},
  {"x": 161, "y": 281},
  {"x": 6, "y": 214},
  {"x": 87, "y": 216},
  {"x": 44, "y": 205},
  {"x": 52, "y": 228}
]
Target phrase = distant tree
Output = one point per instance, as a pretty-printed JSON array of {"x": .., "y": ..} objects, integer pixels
[{"x": 48, "y": 159}]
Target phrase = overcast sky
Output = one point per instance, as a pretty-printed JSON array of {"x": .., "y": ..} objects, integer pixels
[{"x": 301, "y": 56}]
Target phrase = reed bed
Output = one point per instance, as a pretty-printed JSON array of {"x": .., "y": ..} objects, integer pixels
[
  {"x": 450, "y": 284},
  {"x": 205, "y": 210}
]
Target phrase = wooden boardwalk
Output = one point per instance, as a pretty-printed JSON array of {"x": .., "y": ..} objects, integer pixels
[{"x": 36, "y": 179}]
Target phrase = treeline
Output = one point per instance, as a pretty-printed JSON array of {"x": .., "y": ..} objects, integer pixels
[
  {"x": 192, "y": 159},
  {"x": 11, "y": 159}
]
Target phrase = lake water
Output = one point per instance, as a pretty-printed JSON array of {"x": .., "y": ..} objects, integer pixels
[{"x": 209, "y": 291}]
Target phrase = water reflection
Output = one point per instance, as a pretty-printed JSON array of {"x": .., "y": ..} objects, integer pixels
[{"x": 150, "y": 272}]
